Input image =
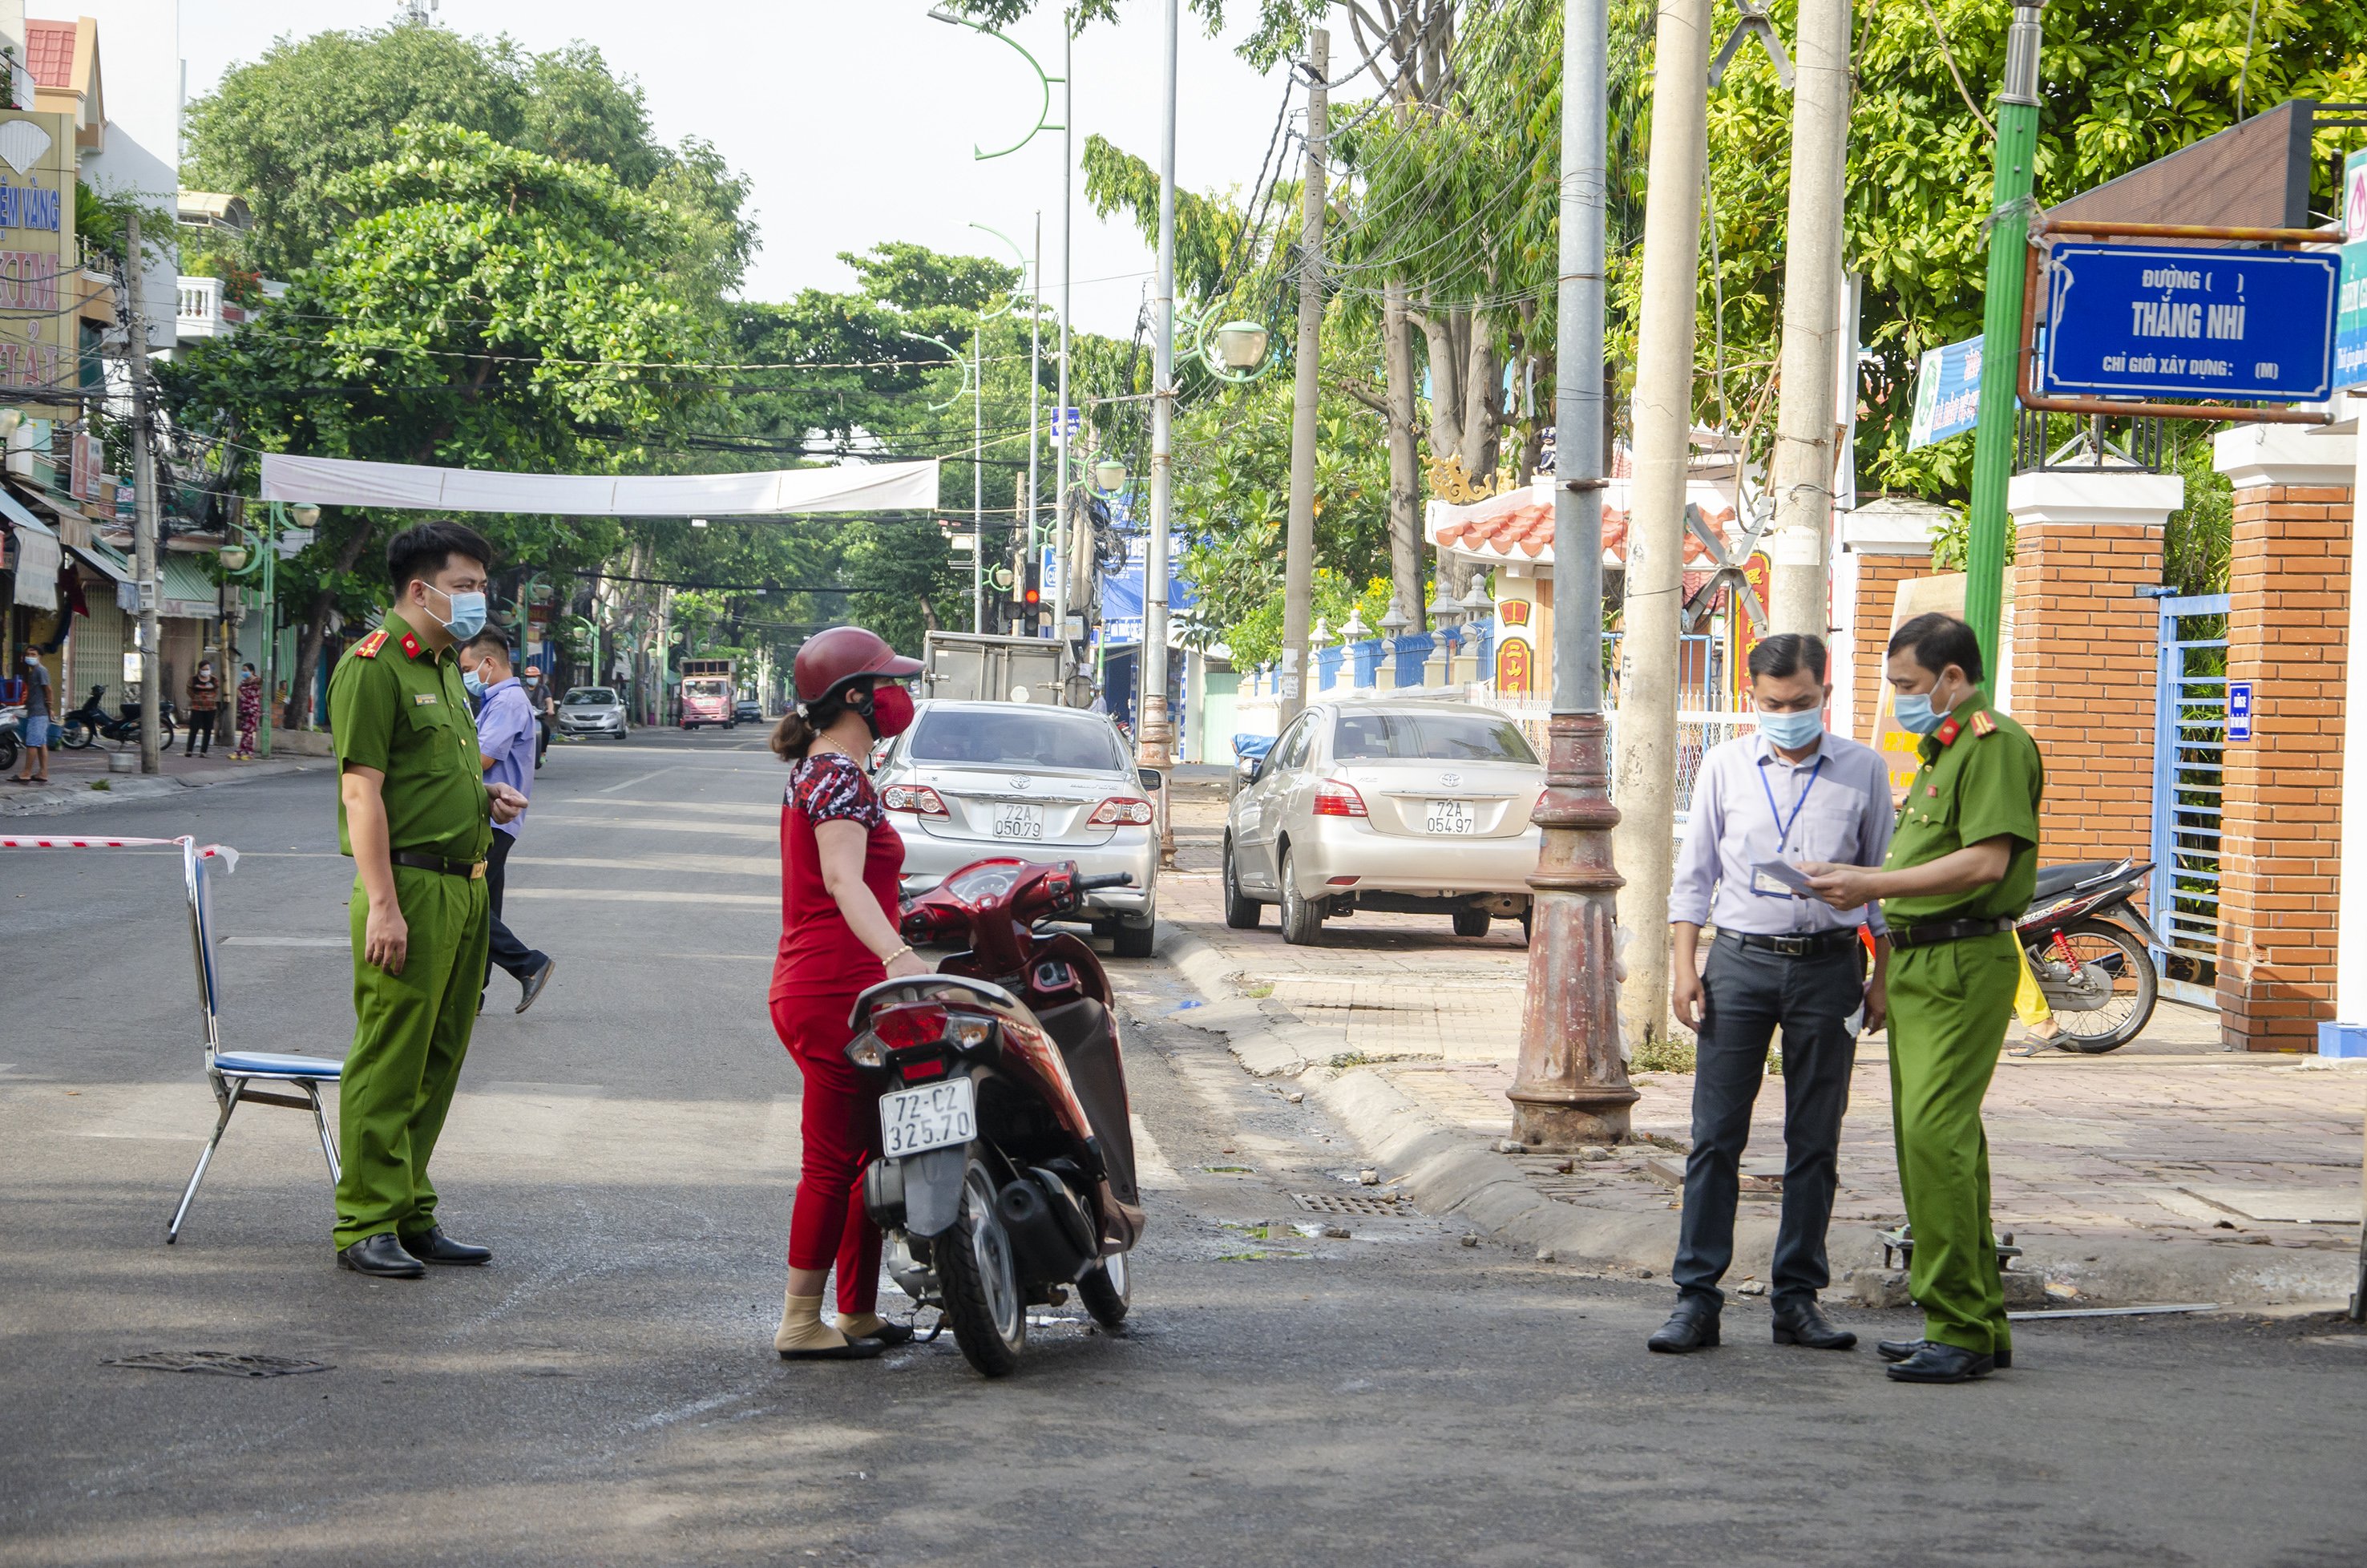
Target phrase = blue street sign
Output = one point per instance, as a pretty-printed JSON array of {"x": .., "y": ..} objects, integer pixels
[
  {"x": 2188, "y": 322},
  {"x": 2239, "y": 711},
  {"x": 1066, "y": 422}
]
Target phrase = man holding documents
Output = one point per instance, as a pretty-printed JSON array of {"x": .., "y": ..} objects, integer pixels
[{"x": 1764, "y": 805}]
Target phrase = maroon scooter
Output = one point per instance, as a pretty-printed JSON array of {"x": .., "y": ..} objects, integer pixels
[{"x": 1007, "y": 1173}]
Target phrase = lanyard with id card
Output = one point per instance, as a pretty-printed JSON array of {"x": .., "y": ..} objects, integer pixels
[{"x": 1775, "y": 879}]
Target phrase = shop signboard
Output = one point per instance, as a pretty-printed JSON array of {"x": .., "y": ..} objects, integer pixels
[
  {"x": 2351, "y": 296},
  {"x": 40, "y": 293}
]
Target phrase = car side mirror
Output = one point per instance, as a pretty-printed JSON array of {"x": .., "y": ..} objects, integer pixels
[
  {"x": 1251, "y": 767},
  {"x": 1152, "y": 779}
]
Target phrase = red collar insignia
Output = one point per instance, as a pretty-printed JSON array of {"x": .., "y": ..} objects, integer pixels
[
  {"x": 411, "y": 644},
  {"x": 1945, "y": 735}
]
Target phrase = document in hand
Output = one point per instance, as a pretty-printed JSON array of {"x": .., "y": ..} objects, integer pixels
[{"x": 1768, "y": 874}]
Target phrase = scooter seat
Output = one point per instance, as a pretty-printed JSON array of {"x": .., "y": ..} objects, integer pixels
[{"x": 2056, "y": 880}]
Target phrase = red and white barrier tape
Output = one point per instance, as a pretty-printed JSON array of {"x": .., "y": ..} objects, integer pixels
[{"x": 222, "y": 852}]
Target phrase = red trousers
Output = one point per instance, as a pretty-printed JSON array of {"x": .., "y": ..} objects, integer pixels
[{"x": 841, "y": 1134}]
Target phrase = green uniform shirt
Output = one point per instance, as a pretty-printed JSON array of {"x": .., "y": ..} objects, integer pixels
[
  {"x": 397, "y": 707},
  {"x": 1982, "y": 780}
]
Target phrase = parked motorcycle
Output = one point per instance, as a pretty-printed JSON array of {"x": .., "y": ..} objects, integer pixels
[
  {"x": 2091, "y": 952},
  {"x": 1007, "y": 1175},
  {"x": 90, "y": 722},
  {"x": 12, "y": 737}
]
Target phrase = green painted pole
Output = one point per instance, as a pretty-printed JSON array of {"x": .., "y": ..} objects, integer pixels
[{"x": 2017, "y": 141}]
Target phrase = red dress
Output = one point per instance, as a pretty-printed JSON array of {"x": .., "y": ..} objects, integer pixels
[{"x": 821, "y": 967}]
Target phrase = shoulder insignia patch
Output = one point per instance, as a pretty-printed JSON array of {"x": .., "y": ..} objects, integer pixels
[
  {"x": 1983, "y": 725},
  {"x": 1948, "y": 731},
  {"x": 368, "y": 646},
  {"x": 423, "y": 698},
  {"x": 411, "y": 644}
]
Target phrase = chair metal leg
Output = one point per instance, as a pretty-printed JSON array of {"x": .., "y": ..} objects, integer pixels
[
  {"x": 205, "y": 1158},
  {"x": 328, "y": 1145}
]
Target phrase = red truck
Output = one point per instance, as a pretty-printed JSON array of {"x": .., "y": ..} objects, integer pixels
[{"x": 709, "y": 691}]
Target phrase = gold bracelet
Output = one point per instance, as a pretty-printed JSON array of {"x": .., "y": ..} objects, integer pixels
[{"x": 899, "y": 953}]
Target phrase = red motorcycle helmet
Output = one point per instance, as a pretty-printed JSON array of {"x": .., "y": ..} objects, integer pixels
[{"x": 829, "y": 659}]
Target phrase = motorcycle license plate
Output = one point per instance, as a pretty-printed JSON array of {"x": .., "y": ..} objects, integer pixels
[
  {"x": 1450, "y": 816},
  {"x": 1018, "y": 822},
  {"x": 913, "y": 1121}
]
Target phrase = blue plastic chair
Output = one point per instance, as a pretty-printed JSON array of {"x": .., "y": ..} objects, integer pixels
[{"x": 233, "y": 1073}]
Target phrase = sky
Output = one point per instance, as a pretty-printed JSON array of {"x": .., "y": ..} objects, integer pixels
[{"x": 855, "y": 119}]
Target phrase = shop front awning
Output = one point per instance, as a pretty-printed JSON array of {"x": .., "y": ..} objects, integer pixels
[
  {"x": 37, "y": 554},
  {"x": 848, "y": 487}
]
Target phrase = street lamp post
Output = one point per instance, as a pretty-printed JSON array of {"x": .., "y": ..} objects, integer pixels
[{"x": 1155, "y": 734}]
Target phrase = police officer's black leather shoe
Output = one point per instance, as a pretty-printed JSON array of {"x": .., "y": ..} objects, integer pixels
[
  {"x": 1938, "y": 1363},
  {"x": 1804, "y": 1323},
  {"x": 434, "y": 1247},
  {"x": 534, "y": 984},
  {"x": 1693, "y": 1326},
  {"x": 1899, "y": 1349},
  {"x": 383, "y": 1255}
]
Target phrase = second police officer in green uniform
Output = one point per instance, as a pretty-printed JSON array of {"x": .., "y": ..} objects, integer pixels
[
  {"x": 1963, "y": 865},
  {"x": 414, "y": 813}
]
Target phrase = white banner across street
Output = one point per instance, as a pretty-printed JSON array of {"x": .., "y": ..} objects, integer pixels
[{"x": 855, "y": 487}]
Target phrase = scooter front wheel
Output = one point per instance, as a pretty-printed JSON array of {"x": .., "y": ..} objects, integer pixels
[
  {"x": 980, "y": 1273},
  {"x": 1107, "y": 1289}
]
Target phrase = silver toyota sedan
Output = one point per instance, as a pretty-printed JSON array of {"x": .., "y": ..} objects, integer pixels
[
  {"x": 971, "y": 780},
  {"x": 592, "y": 710},
  {"x": 1415, "y": 806}
]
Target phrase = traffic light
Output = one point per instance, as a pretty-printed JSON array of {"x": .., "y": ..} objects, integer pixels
[{"x": 1031, "y": 586}]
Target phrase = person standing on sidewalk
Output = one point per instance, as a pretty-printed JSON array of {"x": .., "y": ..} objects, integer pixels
[
  {"x": 1962, "y": 866},
  {"x": 1789, "y": 794},
  {"x": 250, "y": 712},
  {"x": 205, "y": 709},
  {"x": 412, "y": 811},
  {"x": 505, "y": 732},
  {"x": 41, "y": 715}
]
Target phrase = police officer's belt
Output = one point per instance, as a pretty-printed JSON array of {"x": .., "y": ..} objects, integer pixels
[
  {"x": 470, "y": 869},
  {"x": 1939, "y": 931},
  {"x": 1807, "y": 945}
]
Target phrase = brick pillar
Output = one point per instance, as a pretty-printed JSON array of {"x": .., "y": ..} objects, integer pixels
[
  {"x": 2087, "y": 553},
  {"x": 2288, "y": 623}
]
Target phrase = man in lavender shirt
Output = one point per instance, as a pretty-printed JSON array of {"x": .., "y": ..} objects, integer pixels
[
  {"x": 505, "y": 742},
  {"x": 1788, "y": 794}
]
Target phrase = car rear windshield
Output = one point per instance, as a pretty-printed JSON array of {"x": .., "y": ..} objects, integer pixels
[
  {"x": 1429, "y": 737},
  {"x": 590, "y": 695},
  {"x": 1015, "y": 737}
]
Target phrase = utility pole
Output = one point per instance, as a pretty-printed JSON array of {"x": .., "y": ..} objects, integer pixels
[
  {"x": 1034, "y": 426},
  {"x": 144, "y": 481},
  {"x": 1645, "y": 765},
  {"x": 1298, "y": 558},
  {"x": 2017, "y": 142},
  {"x": 977, "y": 485},
  {"x": 1061, "y": 440},
  {"x": 1155, "y": 734},
  {"x": 1802, "y": 469},
  {"x": 1571, "y": 1086}
]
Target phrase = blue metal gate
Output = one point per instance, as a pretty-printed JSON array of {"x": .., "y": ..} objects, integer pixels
[{"x": 2189, "y": 733}]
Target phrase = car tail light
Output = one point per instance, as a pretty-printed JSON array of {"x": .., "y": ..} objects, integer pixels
[
  {"x": 1123, "y": 809},
  {"x": 1333, "y": 798},
  {"x": 918, "y": 799},
  {"x": 901, "y": 1029}
]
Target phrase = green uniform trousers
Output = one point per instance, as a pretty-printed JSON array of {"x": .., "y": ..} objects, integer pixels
[
  {"x": 411, "y": 1031},
  {"x": 1949, "y": 1004}
]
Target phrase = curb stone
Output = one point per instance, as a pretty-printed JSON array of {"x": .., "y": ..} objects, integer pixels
[
  {"x": 1447, "y": 1172},
  {"x": 124, "y": 789}
]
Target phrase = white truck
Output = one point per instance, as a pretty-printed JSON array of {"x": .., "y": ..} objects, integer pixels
[{"x": 960, "y": 666}]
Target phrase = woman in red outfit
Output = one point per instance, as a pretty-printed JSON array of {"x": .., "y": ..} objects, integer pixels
[{"x": 840, "y": 867}]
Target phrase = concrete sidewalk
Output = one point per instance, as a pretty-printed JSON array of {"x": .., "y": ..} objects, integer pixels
[
  {"x": 80, "y": 779},
  {"x": 2167, "y": 1171}
]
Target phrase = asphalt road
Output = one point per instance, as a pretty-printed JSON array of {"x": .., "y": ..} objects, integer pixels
[{"x": 606, "y": 1391}]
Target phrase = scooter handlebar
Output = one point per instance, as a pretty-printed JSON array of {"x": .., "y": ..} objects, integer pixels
[{"x": 1109, "y": 879}]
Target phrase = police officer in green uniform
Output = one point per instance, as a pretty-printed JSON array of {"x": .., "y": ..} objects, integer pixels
[
  {"x": 1962, "y": 866},
  {"x": 415, "y": 814}
]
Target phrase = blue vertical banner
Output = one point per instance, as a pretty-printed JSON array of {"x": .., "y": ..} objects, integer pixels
[
  {"x": 2350, "y": 295},
  {"x": 1947, "y": 393}
]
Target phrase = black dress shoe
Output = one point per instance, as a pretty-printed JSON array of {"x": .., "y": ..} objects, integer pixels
[
  {"x": 434, "y": 1247},
  {"x": 1938, "y": 1363},
  {"x": 1693, "y": 1326},
  {"x": 1805, "y": 1324},
  {"x": 1899, "y": 1349},
  {"x": 383, "y": 1255},
  {"x": 534, "y": 984}
]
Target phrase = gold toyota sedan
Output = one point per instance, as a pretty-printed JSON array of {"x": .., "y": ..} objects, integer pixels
[{"x": 1416, "y": 806}]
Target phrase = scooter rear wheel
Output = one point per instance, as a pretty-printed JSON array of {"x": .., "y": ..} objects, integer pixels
[
  {"x": 2122, "y": 1012},
  {"x": 1107, "y": 1289},
  {"x": 75, "y": 735},
  {"x": 979, "y": 1272}
]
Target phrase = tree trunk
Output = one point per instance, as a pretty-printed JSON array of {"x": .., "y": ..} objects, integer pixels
[
  {"x": 1405, "y": 479},
  {"x": 299, "y": 711}
]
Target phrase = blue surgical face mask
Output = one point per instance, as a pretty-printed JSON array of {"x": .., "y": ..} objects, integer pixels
[
  {"x": 476, "y": 688},
  {"x": 1793, "y": 731},
  {"x": 468, "y": 616},
  {"x": 1916, "y": 713}
]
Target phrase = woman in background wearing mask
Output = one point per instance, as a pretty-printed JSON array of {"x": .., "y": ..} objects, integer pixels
[
  {"x": 250, "y": 712},
  {"x": 841, "y": 871},
  {"x": 205, "y": 704}
]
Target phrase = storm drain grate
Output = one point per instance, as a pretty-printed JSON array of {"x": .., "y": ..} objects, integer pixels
[
  {"x": 1340, "y": 1203},
  {"x": 227, "y": 1363}
]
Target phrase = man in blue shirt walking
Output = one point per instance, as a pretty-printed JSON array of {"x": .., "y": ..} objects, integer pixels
[{"x": 505, "y": 745}]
